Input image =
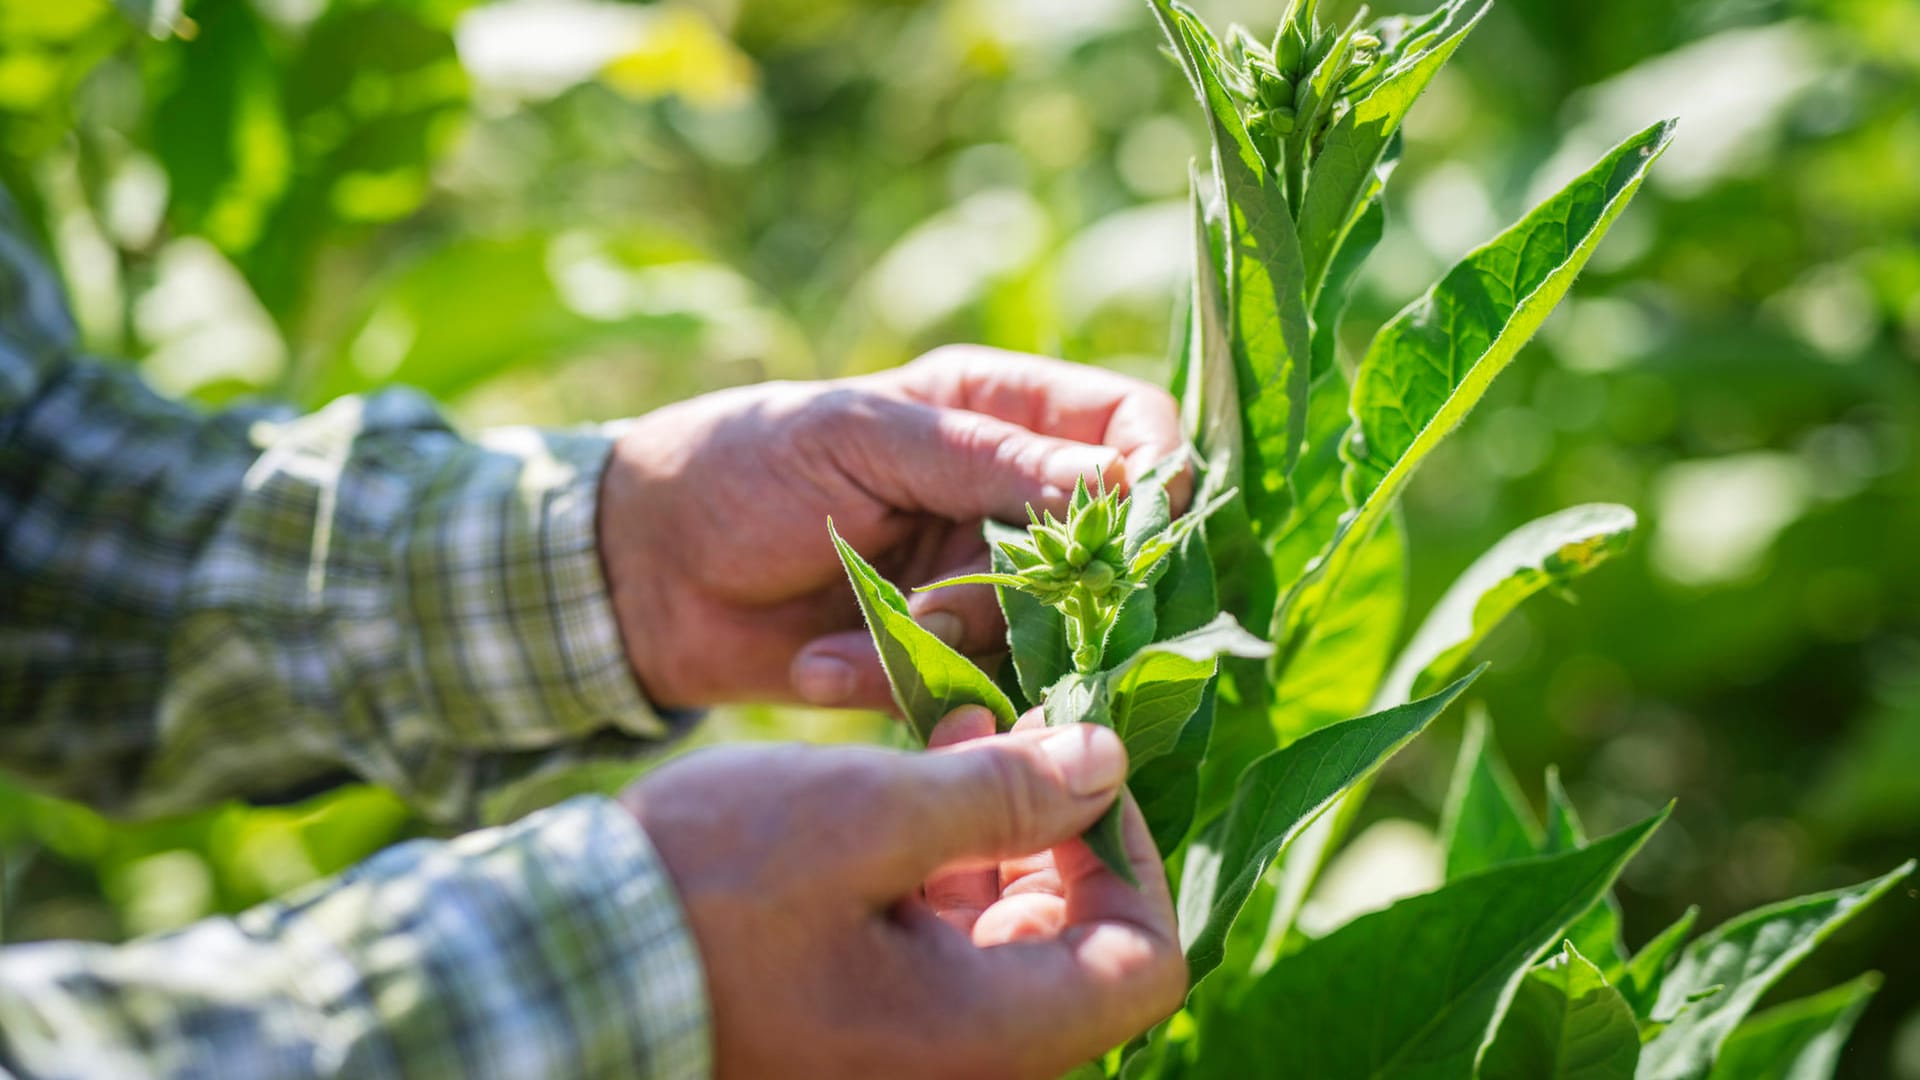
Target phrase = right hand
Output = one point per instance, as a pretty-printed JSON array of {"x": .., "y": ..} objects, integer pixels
[{"x": 800, "y": 871}]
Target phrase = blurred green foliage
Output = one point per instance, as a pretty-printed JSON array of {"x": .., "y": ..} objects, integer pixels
[{"x": 551, "y": 212}]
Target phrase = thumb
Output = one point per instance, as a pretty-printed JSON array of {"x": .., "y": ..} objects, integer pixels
[
  {"x": 964, "y": 465},
  {"x": 1004, "y": 796}
]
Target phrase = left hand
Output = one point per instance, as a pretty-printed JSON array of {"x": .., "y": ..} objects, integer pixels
[{"x": 713, "y": 513}]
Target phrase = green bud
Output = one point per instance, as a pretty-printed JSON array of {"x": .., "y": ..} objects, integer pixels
[
  {"x": 1243, "y": 48},
  {"x": 1050, "y": 544},
  {"x": 1281, "y": 119},
  {"x": 1289, "y": 48},
  {"x": 1021, "y": 556},
  {"x": 1364, "y": 41},
  {"x": 1272, "y": 89},
  {"x": 1098, "y": 577},
  {"x": 1078, "y": 555},
  {"x": 1093, "y": 526}
]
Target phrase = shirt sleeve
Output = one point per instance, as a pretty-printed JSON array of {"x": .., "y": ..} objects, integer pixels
[
  {"x": 257, "y": 604},
  {"x": 550, "y": 948}
]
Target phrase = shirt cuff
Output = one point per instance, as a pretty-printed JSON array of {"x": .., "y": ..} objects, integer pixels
[
  {"x": 555, "y": 946},
  {"x": 514, "y": 627}
]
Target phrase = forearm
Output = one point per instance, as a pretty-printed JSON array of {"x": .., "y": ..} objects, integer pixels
[
  {"x": 257, "y": 604},
  {"x": 554, "y": 947}
]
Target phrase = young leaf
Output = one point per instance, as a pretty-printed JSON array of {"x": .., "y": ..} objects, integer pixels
[
  {"x": 1744, "y": 957},
  {"x": 1486, "y": 821},
  {"x": 928, "y": 677},
  {"x": 1211, "y": 395},
  {"x": 1267, "y": 306},
  {"x": 1036, "y": 633},
  {"x": 1416, "y": 989},
  {"x": 1342, "y": 175},
  {"x": 1431, "y": 364},
  {"x": 1278, "y": 796},
  {"x": 1548, "y": 552},
  {"x": 1565, "y": 1023},
  {"x": 1649, "y": 966},
  {"x": 1800, "y": 1040}
]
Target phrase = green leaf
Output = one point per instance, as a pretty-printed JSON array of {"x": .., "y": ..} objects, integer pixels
[
  {"x": 1546, "y": 553},
  {"x": 1267, "y": 307},
  {"x": 1343, "y": 170},
  {"x": 1429, "y": 366},
  {"x": 1211, "y": 395},
  {"x": 928, "y": 677},
  {"x": 1800, "y": 1040},
  {"x": 1565, "y": 1023},
  {"x": 1153, "y": 693},
  {"x": 1414, "y": 990},
  {"x": 1168, "y": 787},
  {"x": 1648, "y": 968},
  {"x": 1596, "y": 933},
  {"x": 1036, "y": 633},
  {"x": 1336, "y": 673},
  {"x": 1330, "y": 307},
  {"x": 1276, "y": 797},
  {"x": 1744, "y": 956},
  {"x": 1486, "y": 822},
  {"x": 1083, "y": 699}
]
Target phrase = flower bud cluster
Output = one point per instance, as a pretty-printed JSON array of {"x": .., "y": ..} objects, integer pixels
[
  {"x": 1084, "y": 567},
  {"x": 1270, "y": 78}
]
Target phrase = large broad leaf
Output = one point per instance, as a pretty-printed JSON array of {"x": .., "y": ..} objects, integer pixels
[
  {"x": 1800, "y": 1040},
  {"x": 1152, "y": 694},
  {"x": 928, "y": 677},
  {"x": 1486, "y": 821},
  {"x": 1549, "y": 552},
  {"x": 1343, "y": 169},
  {"x": 1431, "y": 364},
  {"x": 1414, "y": 990},
  {"x": 1649, "y": 967},
  {"x": 1276, "y": 797},
  {"x": 1743, "y": 958},
  {"x": 1266, "y": 297},
  {"x": 1565, "y": 1023}
]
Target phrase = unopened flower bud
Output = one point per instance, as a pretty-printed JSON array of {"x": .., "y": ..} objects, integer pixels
[
  {"x": 1364, "y": 41},
  {"x": 1098, "y": 577},
  {"x": 1078, "y": 555}
]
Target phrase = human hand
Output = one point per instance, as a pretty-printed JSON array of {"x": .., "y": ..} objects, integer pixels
[
  {"x": 713, "y": 512},
  {"x": 799, "y": 869}
]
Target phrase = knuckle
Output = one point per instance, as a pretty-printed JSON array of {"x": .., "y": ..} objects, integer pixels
[{"x": 1014, "y": 790}]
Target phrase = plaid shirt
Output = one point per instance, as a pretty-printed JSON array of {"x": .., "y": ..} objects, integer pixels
[{"x": 259, "y": 605}]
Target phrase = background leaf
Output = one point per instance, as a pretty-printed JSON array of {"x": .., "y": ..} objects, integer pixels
[
  {"x": 1416, "y": 989},
  {"x": 1744, "y": 957},
  {"x": 1565, "y": 1023},
  {"x": 1801, "y": 1040}
]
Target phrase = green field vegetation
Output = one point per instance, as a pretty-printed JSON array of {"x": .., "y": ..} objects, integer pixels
[{"x": 302, "y": 199}]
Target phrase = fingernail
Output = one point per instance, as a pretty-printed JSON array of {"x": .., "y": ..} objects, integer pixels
[
  {"x": 944, "y": 625},
  {"x": 1091, "y": 758},
  {"x": 1067, "y": 466},
  {"x": 823, "y": 680}
]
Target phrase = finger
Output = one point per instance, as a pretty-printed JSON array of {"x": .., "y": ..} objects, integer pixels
[
  {"x": 840, "y": 671},
  {"x": 959, "y": 896},
  {"x": 1020, "y": 918},
  {"x": 1070, "y": 401},
  {"x": 992, "y": 799},
  {"x": 968, "y": 617},
  {"x": 963, "y": 465},
  {"x": 1112, "y": 971}
]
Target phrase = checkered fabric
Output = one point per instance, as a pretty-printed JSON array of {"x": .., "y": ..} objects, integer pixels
[{"x": 259, "y": 605}]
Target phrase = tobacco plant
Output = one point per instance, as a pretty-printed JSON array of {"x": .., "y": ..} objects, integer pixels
[{"x": 1249, "y": 759}]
